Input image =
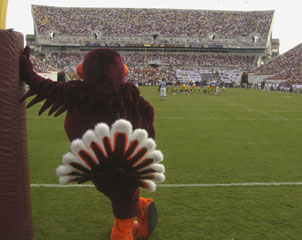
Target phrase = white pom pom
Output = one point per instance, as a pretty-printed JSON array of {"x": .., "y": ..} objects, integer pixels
[
  {"x": 63, "y": 170},
  {"x": 69, "y": 158},
  {"x": 156, "y": 177},
  {"x": 150, "y": 144},
  {"x": 76, "y": 146},
  {"x": 139, "y": 134},
  {"x": 102, "y": 130},
  {"x": 158, "y": 168},
  {"x": 156, "y": 155},
  {"x": 89, "y": 137},
  {"x": 121, "y": 125},
  {"x": 66, "y": 179},
  {"x": 159, "y": 177},
  {"x": 149, "y": 186}
]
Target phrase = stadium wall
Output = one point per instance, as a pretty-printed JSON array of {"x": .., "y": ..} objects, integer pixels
[{"x": 255, "y": 79}]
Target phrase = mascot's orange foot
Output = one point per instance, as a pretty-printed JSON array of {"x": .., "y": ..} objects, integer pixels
[
  {"x": 122, "y": 229},
  {"x": 135, "y": 230},
  {"x": 147, "y": 218}
]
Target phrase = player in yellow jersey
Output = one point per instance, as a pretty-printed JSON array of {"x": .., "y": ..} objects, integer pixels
[
  {"x": 213, "y": 89},
  {"x": 208, "y": 89},
  {"x": 174, "y": 89},
  {"x": 183, "y": 88},
  {"x": 194, "y": 88},
  {"x": 188, "y": 89}
]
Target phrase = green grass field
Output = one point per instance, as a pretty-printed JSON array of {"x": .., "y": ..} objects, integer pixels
[{"x": 241, "y": 136}]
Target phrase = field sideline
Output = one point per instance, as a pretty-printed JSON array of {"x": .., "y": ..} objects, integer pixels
[{"x": 233, "y": 170}]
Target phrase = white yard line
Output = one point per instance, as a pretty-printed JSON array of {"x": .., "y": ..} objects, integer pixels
[
  {"x": 231, "y": 184},
  {"x": 181, "y": 185},
  {"x": 204, "y": 118},
  {"x": 230, "y": 119}
]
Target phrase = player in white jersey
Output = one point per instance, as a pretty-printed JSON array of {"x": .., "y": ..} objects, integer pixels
[
  {"x": 217, "y": 89},
  {"x": 163, "y": 86}
]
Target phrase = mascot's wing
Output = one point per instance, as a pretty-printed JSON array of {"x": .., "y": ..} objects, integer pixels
[
  {"x": 147, "y": 113},
  {"x": 118, "y": 149},
  {"x": 58, "y": 96}
]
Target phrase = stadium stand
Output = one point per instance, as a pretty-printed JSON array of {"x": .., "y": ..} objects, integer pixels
[
  {"x": 284, "y": 70},
  {"x": 40, "y": 66},
  {"x": 176, "y": 26},
  {"x": 186, "y": 45}
]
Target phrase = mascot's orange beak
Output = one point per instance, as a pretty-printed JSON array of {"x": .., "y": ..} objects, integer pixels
[
  {"x": 126, "y": 70},
  {"x": 80, "y": 70}
]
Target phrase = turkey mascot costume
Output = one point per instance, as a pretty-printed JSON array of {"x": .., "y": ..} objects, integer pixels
[{"x": 110, "y": 127}]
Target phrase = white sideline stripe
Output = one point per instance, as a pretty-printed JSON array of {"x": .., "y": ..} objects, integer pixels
[
  {"x": 180, "y": 185},
  {"x": 181, "y": 118},
  {"x": 230, "y": 184},
  {"x": 230, "y": 119}
]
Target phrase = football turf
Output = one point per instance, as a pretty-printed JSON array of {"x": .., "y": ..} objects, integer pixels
[{"x": 245, "y": 137}]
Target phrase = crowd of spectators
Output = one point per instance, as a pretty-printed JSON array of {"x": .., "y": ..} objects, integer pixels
[
  {"x": 286, "y": 66},
  {"x": 186, "y": 27},
  {"x": 144, "y": 22},
  {"x": 229, "y": 75},
  {"x": 149, "y": 67},
  {"x": 61, "y": 59},
  {"x": 41, "y": 66},
  {"x": 146, "y": 68},
  {"x": 192, "y": 60},
  {"x": 224, "y": 75},
  {"x": 64, "y": 60},
  {"x": 150, "y": 75}
]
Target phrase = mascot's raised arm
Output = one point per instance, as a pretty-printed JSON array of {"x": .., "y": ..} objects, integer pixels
[{"x": 111, "y": 130}]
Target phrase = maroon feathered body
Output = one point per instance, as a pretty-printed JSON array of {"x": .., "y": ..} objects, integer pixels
[
  {"x": 102, "y": 96},
  {"x": 126, "y": 103}
]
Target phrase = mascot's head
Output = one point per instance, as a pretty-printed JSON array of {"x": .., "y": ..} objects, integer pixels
[{"x": 103, "y": 69}]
